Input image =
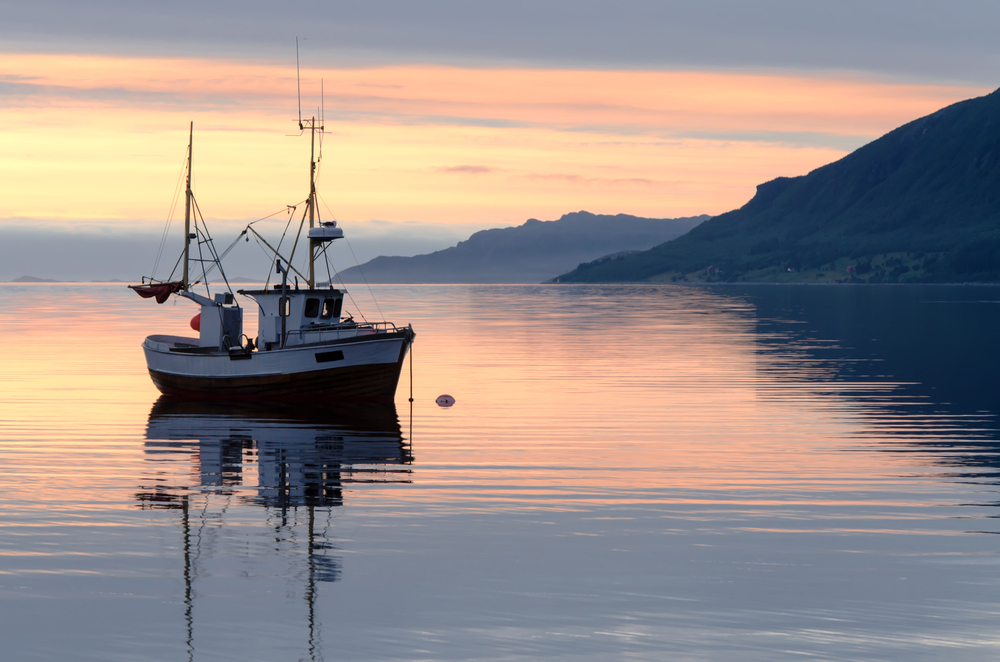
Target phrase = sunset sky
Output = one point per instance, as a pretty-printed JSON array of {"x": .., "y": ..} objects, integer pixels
[{"x": 469, "y": 114}]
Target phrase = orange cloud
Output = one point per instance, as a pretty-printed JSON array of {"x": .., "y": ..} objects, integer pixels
[{"x": 103, "y": 137}]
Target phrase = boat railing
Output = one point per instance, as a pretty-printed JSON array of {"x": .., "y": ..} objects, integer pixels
[
  {"x": 385, "y": 327},
  {"x": 373, "y": 328}
]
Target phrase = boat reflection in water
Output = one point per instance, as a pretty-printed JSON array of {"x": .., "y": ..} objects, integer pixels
[
  {"x": 217, "y": 463},
  {"x": 303, "y": 457}
]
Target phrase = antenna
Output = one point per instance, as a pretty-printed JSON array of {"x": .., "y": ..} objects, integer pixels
[
  {"x": 298, "y": 81},
  {"x": 322, "y": 118}
]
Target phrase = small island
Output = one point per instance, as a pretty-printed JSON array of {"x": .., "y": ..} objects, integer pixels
[{"x": 33, "y": 279}]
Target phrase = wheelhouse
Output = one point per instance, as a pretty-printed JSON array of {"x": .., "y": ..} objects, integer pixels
[{"x": 302, "y": 313}]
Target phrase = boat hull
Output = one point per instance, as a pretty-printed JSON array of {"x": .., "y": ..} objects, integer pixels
[{"x": 361, "y": 370}]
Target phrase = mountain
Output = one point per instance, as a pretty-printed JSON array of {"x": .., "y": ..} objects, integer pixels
[
  {"x": 530, "y": 253},
  {"x": 33, "y": 279},
  {"x": 919, "y": 204}
]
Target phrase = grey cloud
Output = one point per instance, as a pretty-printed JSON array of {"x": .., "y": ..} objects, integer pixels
[
  {"x": 13, "y": 94},
  {"x": 918, "y": 39},
  {"x": 597, "y": 181},
  {"x": 842, "y": 142},
  {"x": 468, "y": 169}
]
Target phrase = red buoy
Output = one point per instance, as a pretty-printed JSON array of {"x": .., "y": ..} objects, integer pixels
[{"x": 196, "y": 322}]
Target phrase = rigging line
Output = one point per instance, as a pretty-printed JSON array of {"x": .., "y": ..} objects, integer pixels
[
  {"x": 163, "y": 236},
  {"x": 170, "y": 214},
  {"x": 280, "y": 211},
  {"x": 332, "y": 215},
  {"x": 288, "y": 224},
  {"x": 326, "y": 259},
  {"x": 176, "y": 264},
  {"x": 179, "y": 184},
  {"x": 215, "y": 255},
  {"x": 288, "y": 208},
  {"x": 362, "y": 272},
  {"x": 218, "y": 262},
  {"x": 354, "y": 303},
  {"x": 274, "y": 257},
  {"x": 348, "y": 293},
  {"x": 201, "y": 255},
  {"x": 201, "y": 259},
  {"x": 267, "y": 253},
  {"x": 275, "y": 252},
  {"x": 216, "y": 258},
  {"x": 298, "y": 234},
  {"x": 319, "y": 158},
  {"x": 231, "y": 246},
  {"x": 325, "y": 247},
  {"x": 173, "y": 208}
]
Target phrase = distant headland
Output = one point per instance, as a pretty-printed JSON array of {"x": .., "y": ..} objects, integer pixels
[
  {"x": 33, "y": 279},
  {"x": 920, "y": 204},
  {"x": 529, "y": 253}
]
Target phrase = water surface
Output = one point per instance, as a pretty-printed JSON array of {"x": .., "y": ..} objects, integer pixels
[{"x": 648, "y": 472}]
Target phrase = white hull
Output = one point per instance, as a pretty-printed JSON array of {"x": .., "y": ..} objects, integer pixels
[{"x": 363, "y": 367}]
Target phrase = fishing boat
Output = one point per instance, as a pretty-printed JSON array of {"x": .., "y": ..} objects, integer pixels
[{"x": 305, "y": 345}]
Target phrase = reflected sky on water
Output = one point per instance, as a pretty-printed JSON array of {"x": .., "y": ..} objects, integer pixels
[{"x": 751, "y": 472}]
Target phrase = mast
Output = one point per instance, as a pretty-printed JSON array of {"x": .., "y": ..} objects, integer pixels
[
  {"x": 312, "y": 201},
  {"x": 187, "y": 209}
]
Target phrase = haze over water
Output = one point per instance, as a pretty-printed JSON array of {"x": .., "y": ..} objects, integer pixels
[{"x": 648, "y": 472}]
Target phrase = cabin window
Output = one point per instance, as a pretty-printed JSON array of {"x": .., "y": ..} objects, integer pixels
[
  {"x": 284, "y": 307},
  {"x": 331, "y": 308},
  {"x": 312, "y": 307}
]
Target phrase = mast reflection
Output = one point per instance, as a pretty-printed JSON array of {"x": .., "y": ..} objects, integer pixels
[{"x": 292, "y": 462}]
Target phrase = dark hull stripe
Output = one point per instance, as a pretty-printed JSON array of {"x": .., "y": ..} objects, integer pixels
[{"x": 366, "y": 382}]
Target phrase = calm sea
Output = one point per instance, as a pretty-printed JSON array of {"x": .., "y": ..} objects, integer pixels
[{"x": 628, "y": 472}]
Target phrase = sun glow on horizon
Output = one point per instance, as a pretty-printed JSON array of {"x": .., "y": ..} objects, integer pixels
[{"x": 93, "y": 137}]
